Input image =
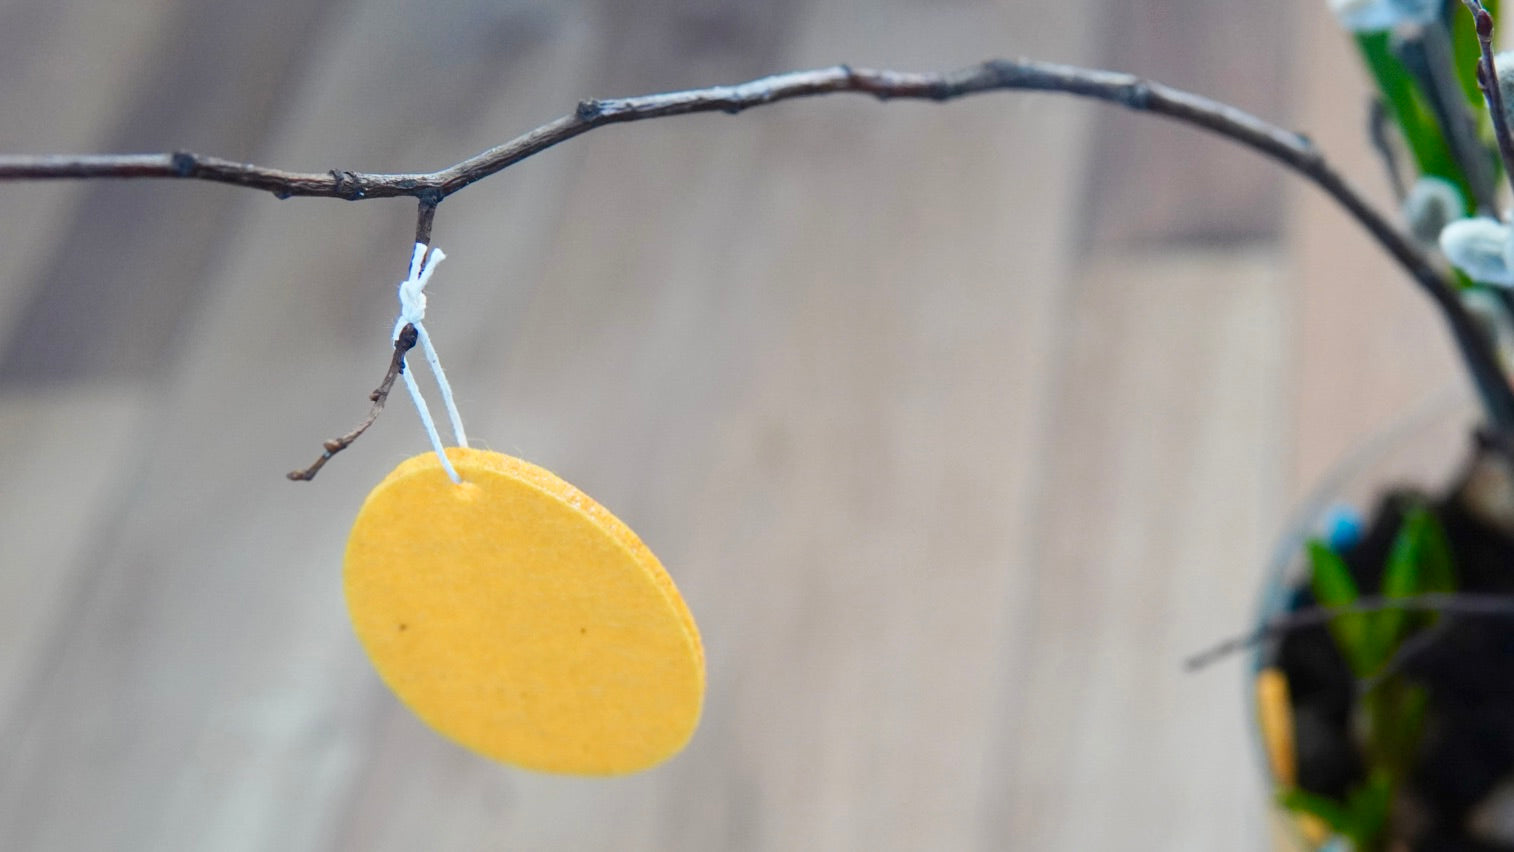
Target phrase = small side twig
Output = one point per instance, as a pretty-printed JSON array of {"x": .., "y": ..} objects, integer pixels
[
  {"x": 1427, "y": 56},
  {"x": 402, "y": 345},
  {"x": 1377, "y": 131},
  {"x": 425, "y": 216},
  {"x": 1453, "y": 604},
  {"x": 1487, "y": 80},
  {"x": 1407, "y": 650}
]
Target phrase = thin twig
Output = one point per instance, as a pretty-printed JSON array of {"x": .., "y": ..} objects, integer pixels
[
  {"x": 424, "y": 218},
  {"x": 1454, "y": 604},
  {"x": 1291, "y": 149},
  {"x": 1377, "y": 131},
  {"x": 402, "y": 345},
  {"x": 1428, "y": 57},
  {"x": 1407, "y": 650},
  {"x": 1487, "y": 80}
]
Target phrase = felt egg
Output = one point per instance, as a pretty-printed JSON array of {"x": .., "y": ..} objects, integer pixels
[{"x": 521, "y": 619}]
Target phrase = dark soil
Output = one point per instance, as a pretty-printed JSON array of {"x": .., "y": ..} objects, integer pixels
[{"x": 1467, "y": 749}]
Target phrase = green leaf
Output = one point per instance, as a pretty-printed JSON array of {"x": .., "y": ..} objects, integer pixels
[
  {"x": 1362, "y": 818},
  {"x": 1396, "y": 719},
  {"x": 1419, "y": 562},
  {"x": 1437, "y": 569},
  {"x": 1333, "y": 586},
  {"x": 1368, "y": 806},
  {"x": 1329, "y": 811}
]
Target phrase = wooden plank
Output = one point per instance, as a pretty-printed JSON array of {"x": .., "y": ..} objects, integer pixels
[
  {"x": 115, "y": 293},
  {"x": 1152, "y": 181},
  {"x": 82, "y": 102},
  {"x": 805, "y": 356},
  {"x": 209, "y": 692},
  {"x": 823, "y": 357},
  {"x": 1158, "y": 498},
  {"x": 68, "y": 456}
]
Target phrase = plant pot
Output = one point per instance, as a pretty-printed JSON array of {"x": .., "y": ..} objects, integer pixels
[{"x": 1313, "y": 713}]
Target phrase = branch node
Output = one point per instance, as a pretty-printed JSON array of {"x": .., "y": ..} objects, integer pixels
[
  {"x": 1136, "y": 95},
  {"x": 944, "y": 90},
  {"x": 1004, "y": 71},
  {"x": 348, "y": 185},
  {"x": 184, "y": 163},
  {"x": 588, "y": 109}
]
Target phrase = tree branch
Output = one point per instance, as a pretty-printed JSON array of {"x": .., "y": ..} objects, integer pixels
[
  {"x": 1487, "y": 80},
  {"x": 1291, "y": 149},
  {"x": 402, "y": 345},
  {"x": 1487, "y": 605},
  {"x": 1377, "y": 132},
  {"x": 995, "y": 75},
  {"x": 425, "y": 216}
]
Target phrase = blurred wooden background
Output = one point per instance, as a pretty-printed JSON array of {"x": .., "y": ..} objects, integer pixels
[{"x": 958, "y": 426}]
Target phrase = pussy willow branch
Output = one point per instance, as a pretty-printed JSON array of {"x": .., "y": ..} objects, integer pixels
[
  {"x": 1487, "y": 80},
  {"x": 1291, "y": 149},
  {"x": 1486, "y": 605},
  {"x": 1377, "y": 131}
]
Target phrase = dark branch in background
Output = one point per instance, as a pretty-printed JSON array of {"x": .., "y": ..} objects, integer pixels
[
  {"x": 1501, "y": 606},
  {"x": 1428, "y": 57},
  {"x": 1407, "y": 650},
  {"x": 1291, "y": 149},
  {"x": 1487, "y": 80},
  {"x": 402, "y": 345},
  {"x": 1377, "y": 131}
]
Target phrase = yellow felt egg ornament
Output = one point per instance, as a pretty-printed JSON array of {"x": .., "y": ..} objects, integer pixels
[{"x": 517, "y": 616}]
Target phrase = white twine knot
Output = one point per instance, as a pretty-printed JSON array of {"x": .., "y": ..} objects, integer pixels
[{"x": 412, "y": 312}]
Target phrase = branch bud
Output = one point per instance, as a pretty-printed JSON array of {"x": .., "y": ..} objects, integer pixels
[
  {"x": 1481, "y": 248},
  {"x": 1431, "y": 205}
]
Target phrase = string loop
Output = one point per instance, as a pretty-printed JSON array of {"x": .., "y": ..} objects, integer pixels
[{"x": 412, "y": 295}]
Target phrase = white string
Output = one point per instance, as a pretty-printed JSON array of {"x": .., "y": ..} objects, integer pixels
[
  {"x": 436, "y": 439},
  {"x": 458, "y": 435},
  {"x": 412, "y": 312}
]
